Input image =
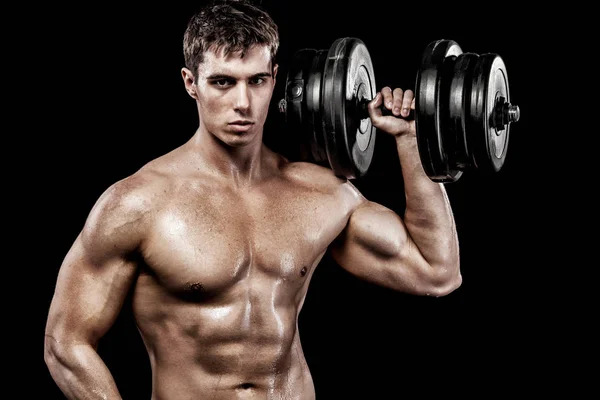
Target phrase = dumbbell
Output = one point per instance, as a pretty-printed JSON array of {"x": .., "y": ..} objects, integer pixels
[{"x": 463, "y": 109}]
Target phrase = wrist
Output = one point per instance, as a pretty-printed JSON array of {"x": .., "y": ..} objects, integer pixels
[{"x": 406, "y": 139}]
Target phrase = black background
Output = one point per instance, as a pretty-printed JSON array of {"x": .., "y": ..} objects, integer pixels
[{"x": 100, "y": 94}]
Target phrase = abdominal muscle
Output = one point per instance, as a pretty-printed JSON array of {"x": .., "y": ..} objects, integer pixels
[{"x": 242, "y": 343}]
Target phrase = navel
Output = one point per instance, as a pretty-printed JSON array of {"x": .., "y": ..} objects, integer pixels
[
  {"x": 195, "y": 287},
  {"x": 303, "y": 271},
  {"x": 194, "y": 291}
]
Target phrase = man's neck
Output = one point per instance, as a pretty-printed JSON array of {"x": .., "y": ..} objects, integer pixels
[{"x": 242, "y": 165}]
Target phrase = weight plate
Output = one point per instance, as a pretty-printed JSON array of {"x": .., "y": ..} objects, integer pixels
[
  {"x": 430, "y": 102},
  {"x": 297, "y": 115},
  {"x": 490, "y": 91},
  {"x": 314, "y": 88},
  {"x": 348, "y": 77},
  {"x": 461, "y": 77}
]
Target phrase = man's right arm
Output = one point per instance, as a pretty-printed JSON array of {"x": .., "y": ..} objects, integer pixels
[{"x": 93, "y": 282}]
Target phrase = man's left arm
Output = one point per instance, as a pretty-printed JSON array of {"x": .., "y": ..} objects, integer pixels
[{"x": 419, "y": 253}]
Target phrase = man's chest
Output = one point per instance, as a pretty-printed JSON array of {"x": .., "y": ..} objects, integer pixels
[{"x": 218, "y": 239}]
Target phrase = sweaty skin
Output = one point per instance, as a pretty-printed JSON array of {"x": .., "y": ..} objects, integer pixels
[{"x": 218, "y": 241}]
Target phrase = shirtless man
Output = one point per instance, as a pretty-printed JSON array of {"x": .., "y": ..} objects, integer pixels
[{"x": 217, "y": 240}]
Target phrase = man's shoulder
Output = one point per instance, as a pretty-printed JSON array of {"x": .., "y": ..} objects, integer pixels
[
  {"x": 319, "y": 177},
  {"x": 314, "y": 173},
  {"x": 122, "y": 212},
  {"x": 136, "y": 193},
  {"x": 320, "y": 181}
]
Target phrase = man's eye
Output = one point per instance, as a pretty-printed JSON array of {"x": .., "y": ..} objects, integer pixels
[
  {"x": 222, "y": 82},
  {"x": 257, "y": 81}
]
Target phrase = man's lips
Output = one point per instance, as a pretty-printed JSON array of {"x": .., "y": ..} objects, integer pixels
[{"x": 240, "y": 125}]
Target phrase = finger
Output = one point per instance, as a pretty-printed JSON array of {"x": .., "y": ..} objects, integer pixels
[
  {"x": 398, "y": 101},
  {"x": 408, "y": 102},
  {"x": 374, "y": 106},
  {"x": 388, "y": 97}
]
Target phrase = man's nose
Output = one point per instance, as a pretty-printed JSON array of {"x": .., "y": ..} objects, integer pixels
[{"x": 242, "y": 98}]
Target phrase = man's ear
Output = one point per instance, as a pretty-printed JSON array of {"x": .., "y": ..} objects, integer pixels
[
  {"x": 188, "y": 81},
  {"x": 275, "y": 68}
]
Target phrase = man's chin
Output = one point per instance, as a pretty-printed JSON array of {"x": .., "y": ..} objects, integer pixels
[{"x": 238, "y": 139}]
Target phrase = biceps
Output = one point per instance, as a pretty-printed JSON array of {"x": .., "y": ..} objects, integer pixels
[
  {"x": 377, "y": 231},
  {"x": 88, "y": 295},
  {"x": 380, "y": 251},
  {"x": 374, "y": 235}
]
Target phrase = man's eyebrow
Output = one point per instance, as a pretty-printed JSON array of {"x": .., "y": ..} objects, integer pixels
[{"x": 215, "y": 77}]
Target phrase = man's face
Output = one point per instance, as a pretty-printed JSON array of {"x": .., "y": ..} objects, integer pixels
[{"x": 234, "y": 93}]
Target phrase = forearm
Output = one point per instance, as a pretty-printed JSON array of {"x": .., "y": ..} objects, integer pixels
[
  {"x": 428, "y": 216},
  {"x": 79, "y": 372}
]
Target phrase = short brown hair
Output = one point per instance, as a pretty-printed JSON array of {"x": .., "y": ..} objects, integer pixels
[{"x": 231, "y": 25}]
